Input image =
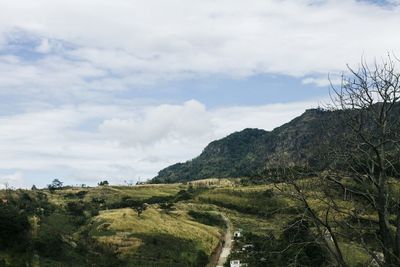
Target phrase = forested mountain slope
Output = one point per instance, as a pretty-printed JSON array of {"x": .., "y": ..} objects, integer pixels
[
  {"x": 252, "y": 150},
  {"x": 306, "y": 141}
]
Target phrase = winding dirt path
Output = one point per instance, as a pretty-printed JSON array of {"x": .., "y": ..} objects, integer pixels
[{"x": 227, "y": 247}]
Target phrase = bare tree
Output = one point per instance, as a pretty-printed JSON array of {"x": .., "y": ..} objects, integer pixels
[
  {"x": 306, "y": 192},
  {"x": 368, "y": 103},
  {"x": 360, "y": 193}
]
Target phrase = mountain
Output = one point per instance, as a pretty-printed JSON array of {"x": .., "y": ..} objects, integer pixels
[
  {"x": 313, "y": 141},
  {"x": 298, "y": 143}
]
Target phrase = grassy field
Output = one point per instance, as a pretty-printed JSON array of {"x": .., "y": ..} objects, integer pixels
[
  {"x": 156, "y": 236},
  {"x": 113, "y": 194},
  {"x": 266, "y": 210},
  {"x": 180, "y": 226}
]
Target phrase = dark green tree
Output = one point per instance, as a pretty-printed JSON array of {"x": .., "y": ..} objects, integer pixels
[
  {"x": 14, "y": 227},
  {"x": 139, "y": 207},
  {"x": 55, "y": 184},
  {"x": 102, "y": 183}
]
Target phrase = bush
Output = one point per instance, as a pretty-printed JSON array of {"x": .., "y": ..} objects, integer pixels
[
  {"x": 55, "y": 184},
  {"x": 201, "y": 259},
  {"x": 268, "y": 193},
  {"x": 14, "y": 228},
  {"x": 76, "y": 208},
  {"x": 49, "y": 241},
  {"x": 79, "y": 194},
  {"x": 103, "y": 183},
  {"x": 208, "y": 218}
]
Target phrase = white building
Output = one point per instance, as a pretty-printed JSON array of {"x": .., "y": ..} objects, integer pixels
[
  {"x": 237, "y": 234},
  {"x": 235, "y": 263}
]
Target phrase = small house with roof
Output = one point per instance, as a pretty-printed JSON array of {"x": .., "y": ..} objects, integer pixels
[
  {"x": 237, "y": 234},
  {"x": 235, "y": 263}
]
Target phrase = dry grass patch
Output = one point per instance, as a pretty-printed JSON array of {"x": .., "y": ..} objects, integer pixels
[{"x": 128, "y": 226}]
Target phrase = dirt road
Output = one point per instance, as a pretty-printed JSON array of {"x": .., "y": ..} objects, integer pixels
[{"x": 226, "y": 249}]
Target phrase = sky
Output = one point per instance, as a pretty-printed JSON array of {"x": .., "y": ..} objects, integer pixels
[{"x": 117, "y": 90}]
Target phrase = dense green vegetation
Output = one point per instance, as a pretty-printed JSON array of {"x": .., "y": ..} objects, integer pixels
[
  {"x": 295, "y": 246},
  {"x": 102, "y": 226},
  {"x": 182, "y": 225}
]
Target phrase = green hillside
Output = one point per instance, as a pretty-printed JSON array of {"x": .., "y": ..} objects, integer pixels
[
  {"x": 252, "y": 151},
  {"x": 305, "y": 142},
  {"x": 101, "y": 226},
  {"x": 181, "y": 225}
]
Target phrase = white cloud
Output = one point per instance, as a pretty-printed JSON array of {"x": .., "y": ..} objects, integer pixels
[
  {"x": 123, "y": 43},
  {"x": 12, "y": 180},
  {"x": 121, "y": 142},
  {"x": 47, "y": 76},
  {"x": 334, "y": 80},
  {"x": 162, "y": 122}
]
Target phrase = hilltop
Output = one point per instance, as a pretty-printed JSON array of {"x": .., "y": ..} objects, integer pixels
[{"x": 249, "y": 152}]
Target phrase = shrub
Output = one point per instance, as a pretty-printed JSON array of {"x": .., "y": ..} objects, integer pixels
[
  {"x": 208, "y": 218},
  {"x": 14, "y": 227}
]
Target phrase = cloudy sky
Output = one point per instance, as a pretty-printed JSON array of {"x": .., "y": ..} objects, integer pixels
[{"x": 117, "y": 90}]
